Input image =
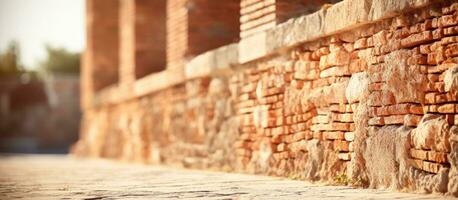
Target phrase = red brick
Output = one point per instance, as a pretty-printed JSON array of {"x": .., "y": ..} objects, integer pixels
[
  {"x": 337, "y": 58},
  {"x": 416, "y": 109},
  {"x": 451, "y": 50},
  {"x": 340, "y": 146},
  {"x": 439, "y": 157},
  {"x": 448, "y": 20},
  {"x": 335, "y": 135},
  {"x": 431, "y": 167},
  {"x": 417, "y": 39}
]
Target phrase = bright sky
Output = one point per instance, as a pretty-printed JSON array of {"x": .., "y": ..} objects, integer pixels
[{"x": 34, "y": 23}]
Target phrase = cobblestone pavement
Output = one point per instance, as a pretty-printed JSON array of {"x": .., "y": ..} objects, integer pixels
[{"x": 62, "y": 177}]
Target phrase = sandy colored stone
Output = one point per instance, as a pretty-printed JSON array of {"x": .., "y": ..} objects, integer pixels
[
  {"x": 407, "y": 83},
  {"x": 357, "y": 87},
  {"x": 451, "y": 81},
  {"x": 432, "y": 133}
]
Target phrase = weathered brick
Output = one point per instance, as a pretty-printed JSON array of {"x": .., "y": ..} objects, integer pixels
[
  {"x": 419, "y": 154},
  {"x": 412, "y": 120},
  {"x": 345, "y": 117},
  {"x": 451, "y": 50},
  {"x": 282, "y": 147},
  {"x": 431, "y": 167},
  {"x": 448, "y": 20},
  {"x": 340, "y": 145},
  {"x": 451, "y": 31},
  {"x": 417, "y": 39},
  {"x": 446, "y": 108},
  {"x": 439, "y": 157},
  {"x": 430, "y": 98},
  {"x": 335, "y": 135},
  {"x": 360, "y": 43},
  {"x": 336, "y": 58}
]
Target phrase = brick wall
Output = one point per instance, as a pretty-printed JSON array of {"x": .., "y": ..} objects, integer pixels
[
  {"x": 102, "y": 43},
  {"x": 177, "y": 29},
  {"x": 256, "y": 16},
  {"x": 212, "y": 24},
  {"x": 260, "y": 15},
  {"x": 371, "y": 104},
  {"x": 196, "y": 26},
  {"x": 150, "y": 35}
]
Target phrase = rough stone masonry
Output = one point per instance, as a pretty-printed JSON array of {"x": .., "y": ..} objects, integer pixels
[{"x": 359, "y": 92}]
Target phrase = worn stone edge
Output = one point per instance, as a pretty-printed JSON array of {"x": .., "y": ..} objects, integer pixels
[
  {"x": 340, "y": 17},
  {"x": 212, "y": 61}
]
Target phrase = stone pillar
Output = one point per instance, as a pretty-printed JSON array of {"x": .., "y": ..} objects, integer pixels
[
  {"x": 196, "y": 26},
  {"x": 100, "y": 59},
  {"x": 177, "y": 29},
  {"x": 127, "y": 43}
]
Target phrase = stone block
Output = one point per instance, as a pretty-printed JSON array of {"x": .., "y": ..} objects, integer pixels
[
  {"x": 357, "y": 87},
  {"x": 349, "y": 136},
  {"x": 336, "y": 58},
  {"x": 344, "y": 156},
  {"x": 432, "y": 133}
]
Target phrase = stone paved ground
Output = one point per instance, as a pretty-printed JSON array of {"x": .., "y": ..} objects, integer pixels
[{"x": 61, "y": 177}]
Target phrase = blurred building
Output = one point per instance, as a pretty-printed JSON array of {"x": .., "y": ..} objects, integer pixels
[
  {"x": 39, "y": 116},
  {"x": 357, "y": 92}
]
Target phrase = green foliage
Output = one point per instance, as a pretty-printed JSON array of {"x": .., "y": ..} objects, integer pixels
[
  {"x": 10, "y": 60},
  {"x": 59, "y": 60},
  {"x": 341, "y": 179}
]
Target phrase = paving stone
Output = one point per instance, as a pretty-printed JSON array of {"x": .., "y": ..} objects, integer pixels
[{"x": 31, "y": 177}]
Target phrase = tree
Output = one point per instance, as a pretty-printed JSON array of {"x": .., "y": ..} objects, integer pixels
[
  {"x": 61, "y": 60},
  {"x": 10, "y": 60}
]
